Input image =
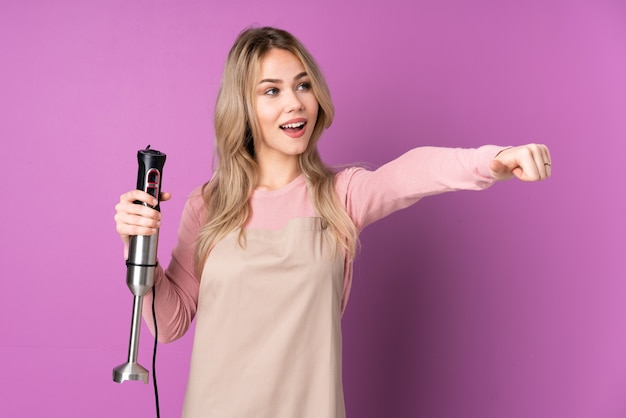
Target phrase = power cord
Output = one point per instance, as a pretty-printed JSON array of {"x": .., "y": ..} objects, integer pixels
[{"x": 154, "y": 353}]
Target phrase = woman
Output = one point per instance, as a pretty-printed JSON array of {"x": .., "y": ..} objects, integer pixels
[{"x": 265, "y": 248}]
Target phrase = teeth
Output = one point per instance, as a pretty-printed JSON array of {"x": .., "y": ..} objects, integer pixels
[{"x": 292, "y": 125}]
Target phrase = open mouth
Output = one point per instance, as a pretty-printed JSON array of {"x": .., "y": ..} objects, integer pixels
[{"x": 293, "y": 127}]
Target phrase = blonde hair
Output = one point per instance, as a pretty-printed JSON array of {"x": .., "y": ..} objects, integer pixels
[{"x": 227, "y": 194}]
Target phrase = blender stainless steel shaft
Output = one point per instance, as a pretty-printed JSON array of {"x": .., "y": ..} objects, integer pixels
[{"x": 141, "y": 263}]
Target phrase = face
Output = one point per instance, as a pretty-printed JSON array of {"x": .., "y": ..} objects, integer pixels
[{"x": 286, "y": 108}]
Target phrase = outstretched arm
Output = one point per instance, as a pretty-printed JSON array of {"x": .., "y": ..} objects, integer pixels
[{"x": 424, "y": 171}]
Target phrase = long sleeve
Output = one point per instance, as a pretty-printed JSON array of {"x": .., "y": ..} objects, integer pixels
[
  {"x": 177, "y": 287},
  {"x": 372, "y": 195}
]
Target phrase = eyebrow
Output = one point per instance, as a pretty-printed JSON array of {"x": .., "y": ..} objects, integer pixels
[{"x": 277, "y": 81}]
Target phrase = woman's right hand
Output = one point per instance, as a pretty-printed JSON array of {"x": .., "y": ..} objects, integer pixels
[{"x": 135, "y": 219}]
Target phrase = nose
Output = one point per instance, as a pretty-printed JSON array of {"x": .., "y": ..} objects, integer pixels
[{"x": 293, "y": 103}]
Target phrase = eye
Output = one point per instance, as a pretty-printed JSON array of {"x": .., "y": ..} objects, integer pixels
[
  {"x": 271, "y": 91},
  {"x": 304, "y": 86}
]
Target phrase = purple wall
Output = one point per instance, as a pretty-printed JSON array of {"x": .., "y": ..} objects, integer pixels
[{"x": 504, "y": 303}]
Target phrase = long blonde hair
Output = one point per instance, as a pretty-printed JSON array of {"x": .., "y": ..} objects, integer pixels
[{"x": 227, "y": 194}]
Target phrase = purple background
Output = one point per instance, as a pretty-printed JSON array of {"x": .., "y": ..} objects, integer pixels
[{"x": 504, "y": 303}]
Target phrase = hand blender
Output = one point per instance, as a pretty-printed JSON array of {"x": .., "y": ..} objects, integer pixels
[{"x": 141, "y": 262}]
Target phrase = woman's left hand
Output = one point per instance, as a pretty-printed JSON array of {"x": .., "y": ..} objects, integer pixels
[{"x": 530, "y": 162}]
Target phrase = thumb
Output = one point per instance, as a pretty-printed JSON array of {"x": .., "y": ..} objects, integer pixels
[{"x": 500, "y": 171}]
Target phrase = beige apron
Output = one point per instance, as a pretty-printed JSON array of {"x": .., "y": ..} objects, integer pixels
[{"x": 268, "y": 331}]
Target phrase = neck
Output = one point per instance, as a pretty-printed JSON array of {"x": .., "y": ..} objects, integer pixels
[{"x": 275, "y": 175}]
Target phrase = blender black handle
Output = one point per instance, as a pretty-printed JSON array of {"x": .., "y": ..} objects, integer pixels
[{"x": 150, "y": 172}]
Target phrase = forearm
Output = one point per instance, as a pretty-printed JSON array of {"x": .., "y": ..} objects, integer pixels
[
  {"x": 177, "y": 287},
  {"x": 175, "y": 307}
]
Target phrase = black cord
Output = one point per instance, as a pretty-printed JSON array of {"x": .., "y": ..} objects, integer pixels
[{"x": 154, "y": 353}]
